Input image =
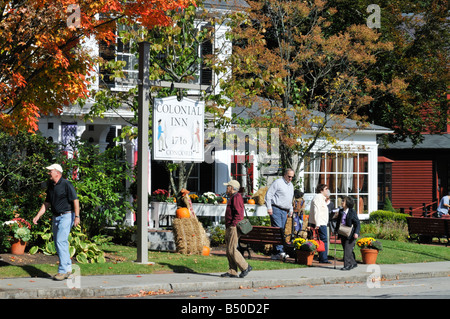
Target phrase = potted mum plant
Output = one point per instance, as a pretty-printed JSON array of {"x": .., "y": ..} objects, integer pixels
[
  {"x": 369, "y": 249},
  {"x": 160, "y": 195},
  {"x": 210, "y": 198},
  {"x": 20, "y": 234},
  {"x": 305, "y": 250}
]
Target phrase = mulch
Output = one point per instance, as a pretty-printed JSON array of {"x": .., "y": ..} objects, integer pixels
[{"x": 27, "y": 259}]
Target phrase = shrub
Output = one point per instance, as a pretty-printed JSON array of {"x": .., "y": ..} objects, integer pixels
[
  {"x": 100, "y": 181},
  {"x": 217, "y": 234},
  {"x": 22, "y": 161},
  {"x": 123, "y": 234},
  {"x": 389, "y": 229},
  {"x": 383, "y": 216},
  {"x": 259, "y": 220},
  {"x": 388, "y": 205}
]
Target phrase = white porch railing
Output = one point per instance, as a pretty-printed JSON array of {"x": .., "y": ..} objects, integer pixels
[{"x": 161, "y": 210}]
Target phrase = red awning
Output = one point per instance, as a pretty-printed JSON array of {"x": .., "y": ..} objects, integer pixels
[{"x": 382, "y": 159}]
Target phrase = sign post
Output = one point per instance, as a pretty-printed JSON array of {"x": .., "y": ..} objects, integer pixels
[
  {"x": 143, "y": 153},
  {"x": 143, "y": 180}
]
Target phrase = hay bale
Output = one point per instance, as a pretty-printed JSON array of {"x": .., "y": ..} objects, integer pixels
[
  {"x": 288, "y": 229},
  {"x": 259, "y": 195},
  {"x": 190, "y": 236}
]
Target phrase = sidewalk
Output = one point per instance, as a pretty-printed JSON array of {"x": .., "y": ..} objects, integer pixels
[{"x": 119, "y": 285}]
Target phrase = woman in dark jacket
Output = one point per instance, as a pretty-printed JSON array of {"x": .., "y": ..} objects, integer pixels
[{"x": 348, "y": 217}]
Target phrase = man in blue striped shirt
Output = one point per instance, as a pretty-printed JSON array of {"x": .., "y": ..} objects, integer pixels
[{"x": 278, "y": 199}]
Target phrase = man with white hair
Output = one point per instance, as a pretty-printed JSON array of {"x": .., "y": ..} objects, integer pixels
[
  {"x": 234, "y": 213},
  {"x": 278, "y": 199},
  {"x": 65, "y": 206}
]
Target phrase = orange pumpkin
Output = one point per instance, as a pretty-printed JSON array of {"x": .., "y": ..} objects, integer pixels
[
  {"x": 205, "y": 251},
  {"x": 183, "y": 212},
  {"x": 251, "y": 201},
  {"x": 224, "y": 200}
]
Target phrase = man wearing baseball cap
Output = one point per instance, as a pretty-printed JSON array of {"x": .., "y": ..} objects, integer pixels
[
  {"x": 65, "y": 207},
  {"x": 234, "y": 213}
]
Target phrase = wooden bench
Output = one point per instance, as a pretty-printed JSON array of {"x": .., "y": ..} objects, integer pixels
[
  {"x": 428, "y": 227},
  {"x": 264, "y": 235}
]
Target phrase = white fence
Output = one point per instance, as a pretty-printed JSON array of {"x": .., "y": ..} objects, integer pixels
[{"x": 162, "y": 210}]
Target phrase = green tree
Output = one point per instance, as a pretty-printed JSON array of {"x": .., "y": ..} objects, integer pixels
[
  {"x": 419, "y": 31},
  {"x": 174, "y": 57}
]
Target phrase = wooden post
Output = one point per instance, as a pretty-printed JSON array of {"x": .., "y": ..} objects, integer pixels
[{"x": 143, "y": 153}]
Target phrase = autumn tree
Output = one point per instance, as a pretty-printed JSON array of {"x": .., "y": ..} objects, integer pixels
[
  {"x": 294, "y": 75},
  {"x": 43, "y": 62}
]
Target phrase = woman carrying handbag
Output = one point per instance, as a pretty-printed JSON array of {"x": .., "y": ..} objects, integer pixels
[
  {"x": 348, "y": 227},
  {"x": 318, "y": 220}
]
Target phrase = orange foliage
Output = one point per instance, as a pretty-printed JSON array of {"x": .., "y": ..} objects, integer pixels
[{"x": 43, "y": 65}]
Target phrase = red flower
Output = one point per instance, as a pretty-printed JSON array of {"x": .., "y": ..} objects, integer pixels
[{"x": 21, "y": 221}]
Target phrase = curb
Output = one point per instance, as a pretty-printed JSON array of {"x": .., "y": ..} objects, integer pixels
[{"x": 177, "y": 286}]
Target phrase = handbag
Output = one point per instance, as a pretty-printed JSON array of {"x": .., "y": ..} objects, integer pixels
[
  {"x": 321, "y": 247},
  {"x": 244, "y": 226},
  {"x": 345, "y": 231}
]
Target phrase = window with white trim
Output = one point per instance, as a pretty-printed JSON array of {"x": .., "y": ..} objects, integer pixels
[
  {"x": 346, "y": 174},
  {"x": 123, "y": 53}
]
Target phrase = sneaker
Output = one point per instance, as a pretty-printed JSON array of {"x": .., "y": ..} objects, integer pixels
[
  {"x": 245, "y": 272},
  {"x": 60, "y": 276},
  {"x": 284, "y": 256},
  {"x": 280, "y": 256}
]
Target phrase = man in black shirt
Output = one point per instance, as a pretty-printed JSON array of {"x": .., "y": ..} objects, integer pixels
[{"x": 63, "y": 200}]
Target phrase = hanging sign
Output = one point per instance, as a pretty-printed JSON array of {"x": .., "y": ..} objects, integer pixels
[{"x": 178, "y": 129}]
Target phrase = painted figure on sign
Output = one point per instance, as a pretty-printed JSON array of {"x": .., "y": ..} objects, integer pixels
[{"x": 161, "y": 137}]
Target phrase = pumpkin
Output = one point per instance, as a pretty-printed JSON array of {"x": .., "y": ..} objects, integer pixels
[
  {"x": 182, "y": 212},
  {"x": 224, "y": 201},
  {"x": 251, "y": 201},
  {"x": 205, "y": 251}
]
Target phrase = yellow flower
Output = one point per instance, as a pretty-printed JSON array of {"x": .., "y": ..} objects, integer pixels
[
  {"x": 298, "y": 242},
  {"x": 365, "y": 242},
  {"x": 314, "y": 242}
]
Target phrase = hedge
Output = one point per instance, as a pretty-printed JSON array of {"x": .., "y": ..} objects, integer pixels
[{"x": 383, "y": 215}]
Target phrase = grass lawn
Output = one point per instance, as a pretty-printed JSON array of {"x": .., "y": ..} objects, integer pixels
[{"x": 393, "y": 252}]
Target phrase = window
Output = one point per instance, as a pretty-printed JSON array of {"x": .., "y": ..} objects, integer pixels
[
  {"x": 384, "y": 183},
  {"x": 346, "y": 174},
  {"x": 123, "y": 53},
  {"x": 242, "y": 171},
  {"x": 206, "y": 48},
  {"x": 201, "y": 73},
  {"x": 69, "y": 134}
]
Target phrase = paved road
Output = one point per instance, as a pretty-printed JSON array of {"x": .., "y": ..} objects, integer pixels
[{"x": 426, "y": 288}]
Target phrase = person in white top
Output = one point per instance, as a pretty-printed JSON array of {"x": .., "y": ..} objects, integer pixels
[{"x": 318, "y": 218}]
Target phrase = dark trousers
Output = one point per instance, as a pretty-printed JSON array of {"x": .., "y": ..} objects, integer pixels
[
  {"x": 323, "y": 235},
  {"x": 349, "y": 256}
]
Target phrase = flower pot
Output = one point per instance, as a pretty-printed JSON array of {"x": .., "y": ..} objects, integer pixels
[
  {"x": 369, "y": 256},
  {"x": 18, "y": 247},
  {"x": 305, "y": 257}
]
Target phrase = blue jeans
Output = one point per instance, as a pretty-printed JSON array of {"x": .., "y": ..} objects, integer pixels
[
  {"x": 323, "y": 256},
  {"x": 61, "y": 230},
  {"x": 278, "y": 219}
]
